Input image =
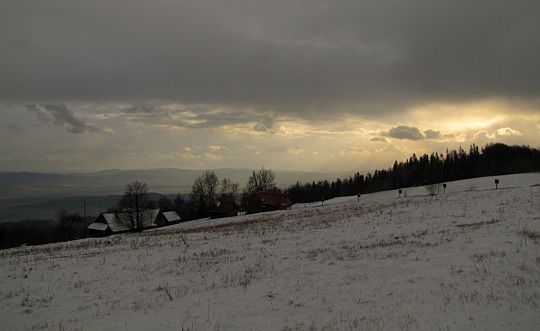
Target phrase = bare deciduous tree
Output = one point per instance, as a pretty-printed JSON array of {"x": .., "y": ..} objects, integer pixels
[
  {"x": 204, "y": 189},
  {"x": 134, "y": 201},
  {"x": 68, "y": 222},
  {"x": 165, "y": 204},
  {"x": 261, "y": 180},
  {"x": 228, "y": 189}
]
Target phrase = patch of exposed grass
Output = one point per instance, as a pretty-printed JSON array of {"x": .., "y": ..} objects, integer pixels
[
  {"x": 532, "y": 235},
  {"x": 477, "y": 224}
]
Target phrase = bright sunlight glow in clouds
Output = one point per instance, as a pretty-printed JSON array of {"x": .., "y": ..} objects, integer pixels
[{"x": 295, "y": 85}]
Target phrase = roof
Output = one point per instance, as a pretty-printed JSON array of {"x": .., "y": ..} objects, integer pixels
[
  {"x": 119, "y": 222},
  {"x": 171, "y": 216},
  {"x": 98, "y": 226}
]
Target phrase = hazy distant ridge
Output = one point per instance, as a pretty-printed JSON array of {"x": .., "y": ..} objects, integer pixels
[{"x": 167, "y": 180}]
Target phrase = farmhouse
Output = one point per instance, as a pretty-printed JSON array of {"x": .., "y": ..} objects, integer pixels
[
  {"x": 113, "y": 223},
  {"x": 167, "y": 218},
  {"x": 224, "y": 208},
  {"x": 267, "y": 201}
]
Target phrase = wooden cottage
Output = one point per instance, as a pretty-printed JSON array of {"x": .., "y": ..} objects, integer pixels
[
  {"x": 224, "y": 208},
  {"x": 167, "y": 218},
  {"x": 113, "y": 223},
  {"x": 267, "y": 201}
]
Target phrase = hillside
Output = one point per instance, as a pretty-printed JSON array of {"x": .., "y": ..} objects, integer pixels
[{"x": 466, "y": 259}]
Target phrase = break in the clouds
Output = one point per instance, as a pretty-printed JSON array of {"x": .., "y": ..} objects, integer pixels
[
  {"x": 299, "y": 81},
  {"x": 508, "y": 132}
]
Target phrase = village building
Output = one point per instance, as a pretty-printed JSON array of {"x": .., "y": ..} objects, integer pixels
[
  {"x": 167, "y": 218},
  {"x": 224, "y": 208},
  {"x": 267, "y": 201},
  {"x": 114, "y": 223}
]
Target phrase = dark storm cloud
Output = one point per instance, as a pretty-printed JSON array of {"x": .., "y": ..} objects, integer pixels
[
  {"x": 296, "y": 56},
  {"x": 59, "y": 114},
  {"x": 142, "y": 109},
  {"x": 412, "y": 133},
  {"x": 219, "y": 118},
  {"x": 266, "y": 124},
  {"x": 405, "y": 132},
  {"x": 198, "y": 117}
]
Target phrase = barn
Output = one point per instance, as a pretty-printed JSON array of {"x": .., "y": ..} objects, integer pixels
[
  {"x": 114, "y": 223},
  {"x": 224, "y": 208},
  {"x": 267, "y": 201},
  {"x": 167, "y": 218}
]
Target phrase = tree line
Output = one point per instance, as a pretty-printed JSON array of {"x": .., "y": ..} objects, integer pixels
[
  {"x": 65, "y": 226},
  {"x": 491, "y": 160},
  {"x": 206, "y": 190}
]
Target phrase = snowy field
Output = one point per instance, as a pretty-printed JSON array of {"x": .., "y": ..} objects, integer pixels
[{"x": 466, "y": 259}]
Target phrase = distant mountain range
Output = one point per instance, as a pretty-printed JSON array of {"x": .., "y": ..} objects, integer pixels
[
  {"x": 26, "y": 195},
  {"x": 168, "y": 180}
]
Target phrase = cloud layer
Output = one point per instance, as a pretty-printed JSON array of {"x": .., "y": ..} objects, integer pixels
[
  {"x": 297, "y": 56},
  {"x": 404, "y": 132},
  {"x": 301, "y": 84}
]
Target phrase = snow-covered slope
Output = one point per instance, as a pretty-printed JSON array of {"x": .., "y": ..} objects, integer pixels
[{"x": 466, "y": 259}]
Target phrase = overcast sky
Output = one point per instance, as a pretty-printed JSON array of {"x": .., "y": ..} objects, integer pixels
[{"x": 293, "y": 85}]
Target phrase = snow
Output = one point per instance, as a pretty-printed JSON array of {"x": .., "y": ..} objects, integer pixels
[
  {"x": 115, "y": 223},
  {"x": 171, "y": 216},
  {"x": 119, "y": 222},
  {"x": 466, "y": 259},
  {"x": 98, "y": 226}
]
